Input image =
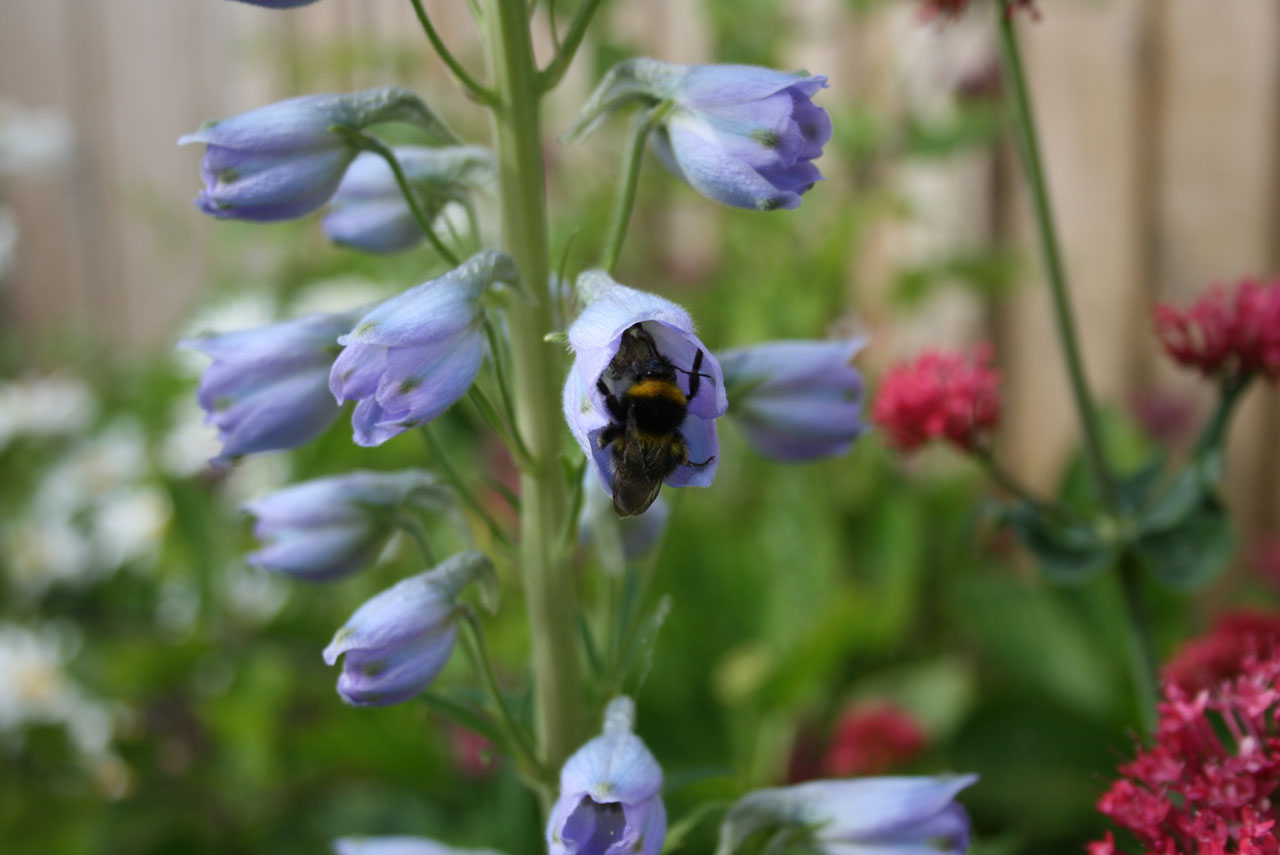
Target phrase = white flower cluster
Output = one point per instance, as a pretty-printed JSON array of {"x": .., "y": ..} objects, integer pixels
[
  {"x": 35, "y": 689},
  {"x": 91, "y": 512}
]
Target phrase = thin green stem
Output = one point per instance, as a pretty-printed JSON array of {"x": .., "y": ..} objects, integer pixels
[
  {"x": 548, "y": 584},
  {"x": 1004, "y": 479},
  {"x": 1142, "y": 662},
  {"x": 474, "y": 88},
  {"x": 413, "y": 528},
  {"x": 550, "y": 76},
  {"x": 484, "y": 668},
  {"x": 1029, "y": 149},
  {"x": 626, "y": 200},
  {"x": 499, "y": 354},
  {"x": 378, "y": 147},
  {"x": 440, "y": 459},
  {"x": 1215, "y": 430}
]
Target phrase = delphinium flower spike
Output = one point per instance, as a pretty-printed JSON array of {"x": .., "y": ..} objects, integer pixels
[
  {"x": 267, "y": 388},
  {"x": 742, "y": 135},
  {"x": 329, "y": 528},
  {"x": 410, "y": 358},
  {"x": 891, "y": 814},
  {"x": 285, "y": 160},
  {"x": 643, "y": 394},
  {"x": 610, "y": 799},
  {"x": 796, "y": 400},
  {"x": 399, "y": 640}
]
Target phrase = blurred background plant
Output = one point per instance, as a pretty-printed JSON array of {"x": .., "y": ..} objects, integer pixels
[{"x": 158, "y": 695}]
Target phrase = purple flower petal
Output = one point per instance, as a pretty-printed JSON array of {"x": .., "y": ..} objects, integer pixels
[{"x": 610, "y": 794}]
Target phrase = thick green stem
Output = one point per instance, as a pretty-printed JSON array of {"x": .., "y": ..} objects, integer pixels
[
  {"x": 626, "y": 200},
  {"x": 1029, "y": 149},
  {"x": 548, "y": 585},
  {"x": 1142, "y": 662}
]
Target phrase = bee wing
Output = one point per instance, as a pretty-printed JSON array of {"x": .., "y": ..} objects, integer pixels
[{"x": 632, "y": 497}]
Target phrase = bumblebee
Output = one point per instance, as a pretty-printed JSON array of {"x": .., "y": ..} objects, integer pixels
[{"x": 647, "y": 445}]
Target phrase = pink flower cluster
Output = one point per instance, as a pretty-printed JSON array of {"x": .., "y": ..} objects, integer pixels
[
  {"x": 1225, "y": 332},
  {"x": 1205, "y": 786},
  {"x": 940, "y": 396},
  {"x": 952, "y": 8},
  {"x": 872, "y": 739}
]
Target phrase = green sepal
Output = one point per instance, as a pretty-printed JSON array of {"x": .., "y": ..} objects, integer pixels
[{"x": 635, "y": 80}]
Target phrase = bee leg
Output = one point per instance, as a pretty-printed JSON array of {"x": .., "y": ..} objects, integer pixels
[
  {"x": 695, "y": 379},
  {"x": 609, "y": 434},
  {"x": 698, "y": 465},
  {"x": 611, "y": 403}
]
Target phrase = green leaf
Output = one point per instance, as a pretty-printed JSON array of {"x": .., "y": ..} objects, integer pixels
[
  {"x": 1191, "y": 553},
  {"x": 1137, "y": 488},
  {"x": 1066, "y": 552}
]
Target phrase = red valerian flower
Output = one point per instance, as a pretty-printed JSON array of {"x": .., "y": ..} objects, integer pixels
[
  {"x": 1206, "y": 785},
  {"x": 1204, "y": 662},
  {"x": 871, "y": 739},
  {"x": 940, "y": 396},
  {"x": 953, "y": 8},
  {"x": 1226, "y": 332}
]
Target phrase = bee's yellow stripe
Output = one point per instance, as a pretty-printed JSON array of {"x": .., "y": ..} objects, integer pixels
[{"x": 657, "y": 389}]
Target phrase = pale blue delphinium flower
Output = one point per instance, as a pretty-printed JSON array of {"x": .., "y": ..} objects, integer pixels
[
  {"x": 278, "y": 4},
  {"x": 413, "y": 356},
  {"x": 399, "y": 640},
  {"x": 649, "y": 324},
  {"x": 329, "y": 528},
  {"x": 742, "y": 135},
  {"x": 400, "y": 846},
  {"x": 610, "y": 794},
  {"x": 267, "y": 388},
  {"x": 797, "y": 400},
  {"x": 285, "y": 160},
  {"x": 369, "y": 211},
  {"x": 887, "y": 816}
]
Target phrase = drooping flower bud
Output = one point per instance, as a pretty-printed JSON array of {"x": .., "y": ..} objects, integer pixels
[
  {"x": 400, "y": 846},
  {"x": 630, "y": 345},
  {"x": 413, "y": 356},
  {"x": 399, "y": 640},
  {"x": 797, "y": 400},
  {"x": 329, "y": 528},
  {"x": 285, "y": 160},
  {"x": 940, "y": 396},
  {"x": 267, "y": 388},
  {"x": 742, "y": 135},
  {"x": 1226, "y": 332},
  {"x": 279, "y": 4},
  {"x": 889, "y": 814},
  {"x": 610, "y": 794},
  {"x": 369, "y": 211}
]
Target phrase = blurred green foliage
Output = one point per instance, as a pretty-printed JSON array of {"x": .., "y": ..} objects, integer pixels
[{"x": 794, "y": 590}]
